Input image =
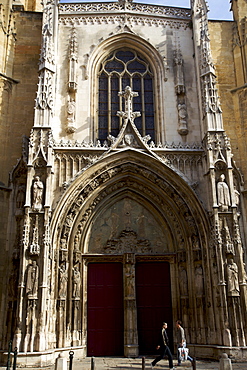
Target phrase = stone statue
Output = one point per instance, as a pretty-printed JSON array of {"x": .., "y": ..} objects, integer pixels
[
  {"x": 223, "y": 194},
  {"x": 32, "y": 280},
  {"x": 71, "y": 111},
  {"x": 38, "y": 188},
  {"x": 199, "y": 280},
  {"x": 183, "y": 282},
  {"x": 237, "y": 196},
  {"x": 129, "y": 275},
  {"x": 20, "y": 199},
  {"x": 71, "y": 108},
  {"x": 69, "y": 220},
  {"x": 232, "y": 278},
  {"x": 76, "y": 282},
  {"x": 63, "y": 278},
  {"x": 182, "y": 117}
]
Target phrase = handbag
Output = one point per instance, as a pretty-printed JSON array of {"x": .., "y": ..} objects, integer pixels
[{"x": 183, "y": 353}]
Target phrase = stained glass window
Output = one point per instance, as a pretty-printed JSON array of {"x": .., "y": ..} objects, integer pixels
[{"x": 120, "y": 69}]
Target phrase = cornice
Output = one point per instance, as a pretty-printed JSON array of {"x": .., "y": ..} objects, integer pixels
[
  {"x": 116, "y": 7},
  {"x": 131, "y": 13},
  {"x": 89, "y": 146}
]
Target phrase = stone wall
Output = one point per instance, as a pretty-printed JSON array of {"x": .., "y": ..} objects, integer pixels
[
  {"x": 233, "y": 97},
  {"x": 222, "y": 53},
  {"x": 19, "y": 90},
  {"x": 18, "y": 85}
]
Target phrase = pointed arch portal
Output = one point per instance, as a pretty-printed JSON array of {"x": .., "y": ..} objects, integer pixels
[{"x": 130, "y": 226}]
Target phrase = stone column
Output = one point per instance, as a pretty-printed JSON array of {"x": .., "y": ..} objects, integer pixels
[{"x": 130, "y": 312}]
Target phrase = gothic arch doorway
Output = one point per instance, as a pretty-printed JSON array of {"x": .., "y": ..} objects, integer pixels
[{"x": 128, "y": 209}]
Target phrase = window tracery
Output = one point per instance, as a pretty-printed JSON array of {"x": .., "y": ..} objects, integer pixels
[{"x": 123, "y": 68}]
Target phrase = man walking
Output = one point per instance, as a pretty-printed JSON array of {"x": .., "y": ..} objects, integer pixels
[
  {"x": 163, "y": 347},
  {"x": 181, "y": 343}
]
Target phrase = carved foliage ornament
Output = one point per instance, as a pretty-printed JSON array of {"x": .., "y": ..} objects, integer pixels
[
  {"x": 121, "y": 19},
  {"x": 117, "y": 6},
  {"x": 127, "y": 242},
  {"x": 44, "y": 99}
]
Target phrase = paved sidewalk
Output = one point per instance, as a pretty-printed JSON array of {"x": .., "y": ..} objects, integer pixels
[{"x": 123, "y": 363}]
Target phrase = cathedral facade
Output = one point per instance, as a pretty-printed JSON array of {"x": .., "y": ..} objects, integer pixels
[{"x": 123, "y": 156}]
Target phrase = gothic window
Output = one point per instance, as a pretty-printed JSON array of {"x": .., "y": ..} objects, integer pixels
[{"x": 125, "y": 68}]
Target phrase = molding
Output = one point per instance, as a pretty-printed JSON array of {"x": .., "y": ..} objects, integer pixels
[
  {"x": 239, "y": 88},
  {"x": 123, "y": 19},
  {"x": 161, "y": 11},
  {"x": 12, "y": 80},
  {"x": 76, "y": 145},
  {"x": 126, "y": 12}
]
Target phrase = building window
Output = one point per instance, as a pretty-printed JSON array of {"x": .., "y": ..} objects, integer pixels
[{"x": 125, "y": 68}]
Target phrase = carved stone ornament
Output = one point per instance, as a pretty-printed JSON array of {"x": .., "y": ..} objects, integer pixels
[
  {"x": 66, "y": 8},
  {"x": 47, "y": 50},
  {"x": 73, "y": 57},
  {"x": 127, "y": 243},
  {"x": 44, "y": 99},
  {"x": 34, "y": 246},
  {"x": 227, "y": 240}
]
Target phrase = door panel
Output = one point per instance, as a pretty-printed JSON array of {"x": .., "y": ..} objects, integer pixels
[
  {"x": 105, "y": 328},
  {"x": 153, "y": 291}
]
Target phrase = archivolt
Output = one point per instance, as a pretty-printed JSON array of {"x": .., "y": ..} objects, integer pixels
[{"x": 152, "y": 180}]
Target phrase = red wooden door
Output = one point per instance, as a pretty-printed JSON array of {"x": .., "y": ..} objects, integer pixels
[
  {"x": 154, "y": 305},
  {"x": 105, "y": 327}
]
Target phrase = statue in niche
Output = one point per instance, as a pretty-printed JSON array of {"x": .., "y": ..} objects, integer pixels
[
  {"x": 237, "y": 196},
  {"x": 63, "y": 278},
  {"x": 63, "y": 243},
  {"x": 182, "y": 115},
  {"x": 38, "y": 188},
  {"x": 71, "y": 111},
  {"x": 195, "y": 242},
  {"x": 76, "y": 282},
  {"x": 32, "y": 280},
  {"x": 71, "y": 108},
  {"x": 229, "y": 247},
  {"x": 34, "y": 247},
  {"x": 20, "y": 199},
  {"x": 232, "y": 278},
  {"x": 199, "y": 280},
  {"x": 183, "y": 282},
  {"x": 12, "y": 284},
  {"x": 69, "y": 220},
  {"x": 223, "y": 194}
]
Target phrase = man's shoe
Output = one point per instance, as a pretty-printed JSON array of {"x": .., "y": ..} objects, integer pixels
[{"x": 193, "y": 363}]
